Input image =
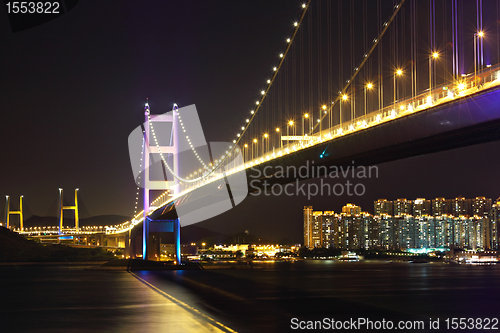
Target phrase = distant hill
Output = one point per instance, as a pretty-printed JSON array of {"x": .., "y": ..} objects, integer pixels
[
  {"x": 101, "y": 220},
  {"x": 16, "y": 248}
]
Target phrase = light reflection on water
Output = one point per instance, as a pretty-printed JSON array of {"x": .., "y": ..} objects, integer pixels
[
  {"x": 63, "y": 299},
  {"x": 69, "y": 299}
]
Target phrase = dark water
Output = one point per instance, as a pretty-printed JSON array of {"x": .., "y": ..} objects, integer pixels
[{"x": 263, "y": 299}]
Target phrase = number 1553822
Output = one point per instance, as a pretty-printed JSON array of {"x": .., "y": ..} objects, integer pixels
[{"x": 32, "y": 7}]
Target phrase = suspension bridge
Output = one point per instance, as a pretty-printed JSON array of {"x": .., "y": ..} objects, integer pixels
[{"x": 361, "y": 82}]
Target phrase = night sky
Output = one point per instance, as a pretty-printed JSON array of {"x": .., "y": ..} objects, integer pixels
[{"x": 74, "y": 88}]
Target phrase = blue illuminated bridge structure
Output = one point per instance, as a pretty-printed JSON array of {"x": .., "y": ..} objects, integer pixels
[{"x": 399, "y": 86}]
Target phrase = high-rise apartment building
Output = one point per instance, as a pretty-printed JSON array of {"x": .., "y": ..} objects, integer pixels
[
  {"x": 494, "y": 222},
  {"x": 318, "y": 227},
  {"x": 328, "y": 220},
  {"x": 480, "y": 206},
  {"x": 351, "y": 209},
  {"x": 308, "y": 226},
  {"x": 441, "y": 206},
  {"x": 421, "y": 207},
  {"x": 382, "y": 206},
  {"x": 460, "y": 207},
  {"x": 401, "y": 207}
]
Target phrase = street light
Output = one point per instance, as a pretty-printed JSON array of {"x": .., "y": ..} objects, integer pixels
[
  {"x": 264, "y": 141},
  {"x": 306, "y": 115},
  {"x": 290, "y": 123},
  {"x": 398, "y": 72},
  {"x": 434, "y": 55},
  {"x": 479, "y": 34},
  {"x": 368, "y": 86},
  {"x": 256, "y": 149},
  {"x": 281, "y": 141},
  {"x": 245, "y": 151},
  {"x": 319, "y": 119},
  {"x": 344, "y": 98}
]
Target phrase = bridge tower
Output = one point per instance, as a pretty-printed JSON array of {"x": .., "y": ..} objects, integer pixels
[
  {"x": 154, "y": 147},
  {"x": 9, "y": 212},
  {"x": 62, "y": 208}
]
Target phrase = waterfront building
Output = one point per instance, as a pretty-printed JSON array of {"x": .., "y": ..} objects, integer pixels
[
  {"x": 494, "y": 221},
  {"x": 402, "y": 206},
  {"x": 384, "y": 222},
  {"x": 371, "y": 232},
  {"x": 421, "y": 207},
  {"x": 328, "y": 225},
  {"x": 382, "y": 206},
  {"x": 424, "y": 228},
  {"x": 460, "y": 207},
  {"x": 308, "y": 213},
  {"x": 480, "y": 206},
  {"x": 351, "y": 209},
  {"x": 318, "y": 227},
  {"x": 441, "y": 206},
  {"x": 317, "y": 230}
]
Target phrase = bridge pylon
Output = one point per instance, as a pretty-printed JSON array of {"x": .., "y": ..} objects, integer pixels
[
  {"x": 9, "y": 212},
  {"x": 62, "y": 208},
  {"x": 153, "y": 147}
]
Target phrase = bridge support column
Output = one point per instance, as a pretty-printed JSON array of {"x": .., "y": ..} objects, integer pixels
[
  {"x": 177, "y": 241},
  {"x": 9, "y": 212},
  {"x": 62, "y": 208},
  {"x": 136, "y": 243},
  {"x": 7, "y": 207},
  {"x": 170, "y": 186},
  {"x": 157, "y": 228},
  {"x": 126, "y": 250},
  {"x": 145, "y": 238}
]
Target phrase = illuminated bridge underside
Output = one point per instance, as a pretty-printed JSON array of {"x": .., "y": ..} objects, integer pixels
[{"x": 458, "y": 123}]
